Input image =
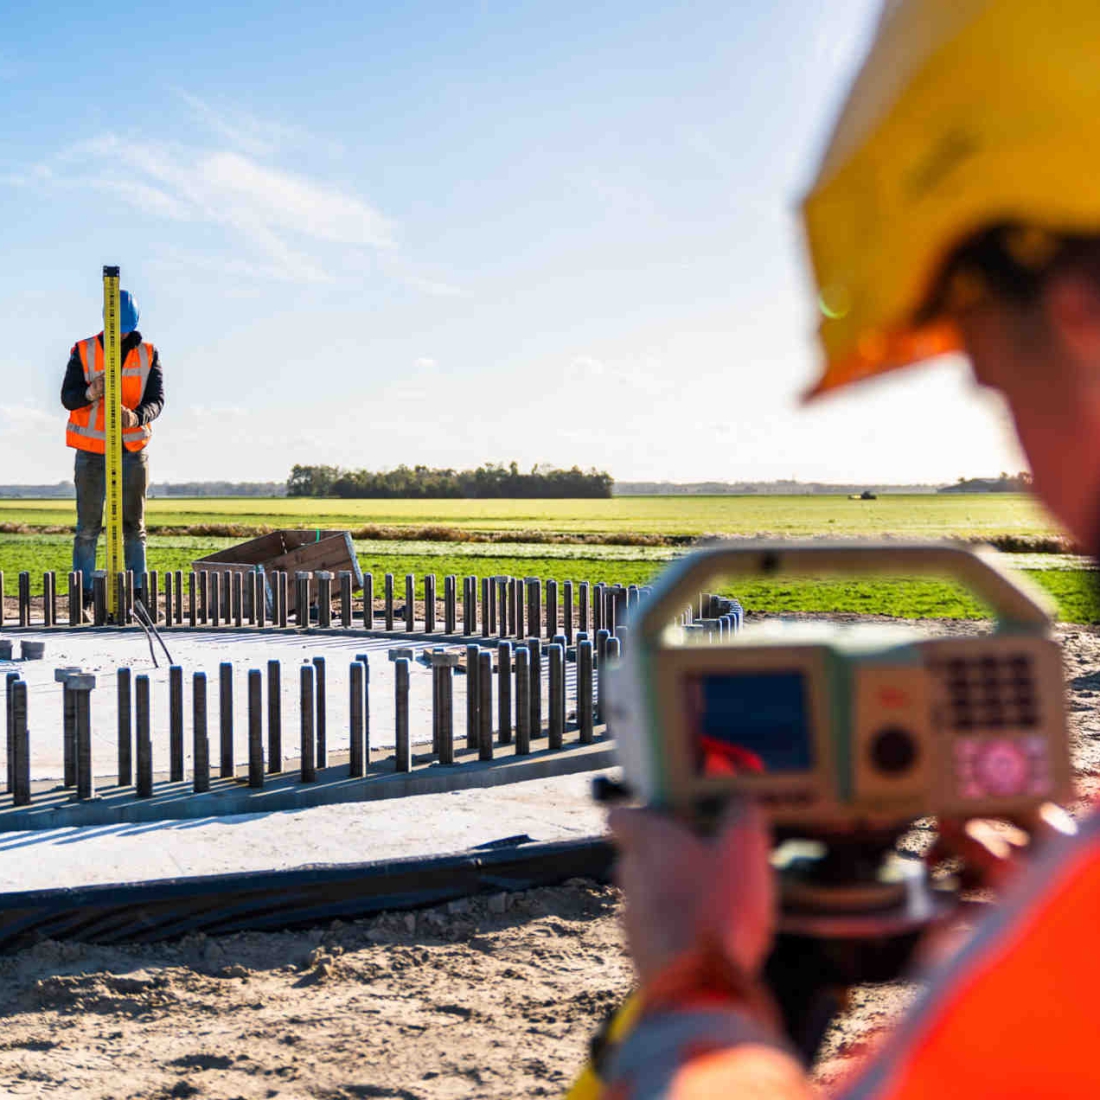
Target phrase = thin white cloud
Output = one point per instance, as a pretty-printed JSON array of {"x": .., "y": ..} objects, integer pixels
[
  {"x": 283, "y": 224},
  {"x": 397, "y": 268},
  {"x": 242, "y": 130},
  {"x": 425, "y": 362},
  {"x": 285, "y": 217},
  {"x": 283, "y": 200}
]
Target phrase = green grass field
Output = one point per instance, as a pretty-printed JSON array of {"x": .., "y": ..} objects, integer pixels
[
  {"x": 933, "y": 516},
  {"x": 936, "y": 516},
  {"x": 1075, "y": 590}
]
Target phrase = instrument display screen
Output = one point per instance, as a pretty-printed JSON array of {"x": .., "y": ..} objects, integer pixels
[{"x": 750, "y": 723}]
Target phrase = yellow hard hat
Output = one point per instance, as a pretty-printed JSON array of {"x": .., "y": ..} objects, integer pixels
[{"x": 966, "y": 113}]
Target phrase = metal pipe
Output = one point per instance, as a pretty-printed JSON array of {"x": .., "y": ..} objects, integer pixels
[
  {"x": 200, "y": 741},
  {"x": 402, "y": 747},
  {"x": 389, "y": 601},
  {"x": 214, "y": 604},
  {"x": 175, "y": 724},
  {"x": 20, "y": 747},
  {"x": 473, "y": 697},
  {"x": 362, "y": 659},
  {"x": 255, "y": 728},
  {"x": 535, "y": 646},
  {"x": 355, "y": 717},
  {"x": 125, "y": 733},
  {"x": 585, "y": 712},
  {"x": 305, "y": 700},
  {"x": 551, "y": 608},
  {"x": 368, "y": 601},
  {"x": 485, "y": 705},
  {"x": 534, "y": 607},
  {"x": 225, "y": 707},
  {"x": 259, "y": 597},
  {"x": 504, "y": 691},
  {"x": 144, "y": 742},
  {"x": 345, "y": 598},
  {"x": 321, "y": 697},
  {"x": 274, "y": 717},
  {"x": 450, "y": 598},
  {"x": 168, "y": 591},
  {"x": 523, "y": 700},
  {"x": 99, "y": 597},
  {"x": 76, "y": 597},
  {"x": 81, "y": 685},
  {"x": 443, "y": 665},
  {"x": 49, "y": 604},
  {"x": 9, "y": 755},
  {"x": 611, "y": 656},
  {"x": 68, "y": 725},
  {"x": 556, "y": 674},
  {"x": 227, "y": 597},
  {"x": 324, "y": 599},
  {"x": 429, "y": 603},
  {"x": 469, "y": 599}
]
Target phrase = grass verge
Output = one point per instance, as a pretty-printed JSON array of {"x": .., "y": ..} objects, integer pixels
[{"x": 1076, "y": 591}]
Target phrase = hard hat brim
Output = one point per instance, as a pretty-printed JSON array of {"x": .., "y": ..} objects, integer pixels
[{"x": 966, "y": 114}]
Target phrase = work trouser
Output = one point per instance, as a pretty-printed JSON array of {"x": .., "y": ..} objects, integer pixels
[{"x": 90, "y": 477}]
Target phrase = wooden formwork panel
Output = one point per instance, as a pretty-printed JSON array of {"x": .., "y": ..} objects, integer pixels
[{"x": 289, "y": 552}]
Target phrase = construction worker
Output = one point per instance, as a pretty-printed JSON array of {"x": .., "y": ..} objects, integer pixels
[
  {"x": 956, "y": 209},
  {"x": 142, "y": 401}
]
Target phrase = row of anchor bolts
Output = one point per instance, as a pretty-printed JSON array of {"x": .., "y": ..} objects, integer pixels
[
  {"x": 519, "y": 672},
  {"x": 502, "y": 607}
]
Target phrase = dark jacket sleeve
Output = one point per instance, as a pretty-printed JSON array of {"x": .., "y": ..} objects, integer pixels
[
  {"x": 152, "y": 400},
  {"x": 72, "y": 389}
]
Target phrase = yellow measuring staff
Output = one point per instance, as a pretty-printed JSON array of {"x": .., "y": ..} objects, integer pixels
[{"x": 112, "y": 423}]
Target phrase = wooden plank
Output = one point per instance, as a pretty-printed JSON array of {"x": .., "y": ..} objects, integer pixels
[{"x": 290, "y": 552}]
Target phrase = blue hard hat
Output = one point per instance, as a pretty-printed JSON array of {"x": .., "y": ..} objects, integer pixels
[{"x": 128, "y": 312}]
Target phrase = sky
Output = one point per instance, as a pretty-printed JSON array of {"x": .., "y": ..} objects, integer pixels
[{"x": 455, "y": 233}]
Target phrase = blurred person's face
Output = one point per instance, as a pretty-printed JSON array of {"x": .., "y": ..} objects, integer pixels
[{"x": 1046, "y": 362}]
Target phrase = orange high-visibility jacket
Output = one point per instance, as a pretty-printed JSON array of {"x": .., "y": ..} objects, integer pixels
[
  {"x": 1014, "y": 1016},
  {"x": 86, "y": 431}
]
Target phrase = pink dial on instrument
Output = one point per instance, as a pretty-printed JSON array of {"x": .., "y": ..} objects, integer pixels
[{"x": 1002, "y": 768}]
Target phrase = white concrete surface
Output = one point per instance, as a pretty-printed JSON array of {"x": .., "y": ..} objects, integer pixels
[
  {"x": 420, "y": 825},
  {"x": 103, "y": 652}
]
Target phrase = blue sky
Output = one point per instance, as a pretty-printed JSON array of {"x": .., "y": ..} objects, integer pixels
[{"x": 446, "y": 233}]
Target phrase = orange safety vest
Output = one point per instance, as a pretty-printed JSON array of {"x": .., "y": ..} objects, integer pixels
[{"x": 86, "y": 428}]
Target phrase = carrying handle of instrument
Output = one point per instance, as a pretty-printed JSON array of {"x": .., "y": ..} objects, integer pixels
[{"x": 1014, "y": 601}]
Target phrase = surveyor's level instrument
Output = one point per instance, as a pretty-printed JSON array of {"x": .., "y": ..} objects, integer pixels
[{"x": 112, "y": 422}]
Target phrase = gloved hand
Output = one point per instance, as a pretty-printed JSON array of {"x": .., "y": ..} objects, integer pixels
[
  {"x": 683, "y": 889},
  {"x": 129, "y": 418},
  {"x": 94, "y": 392}
]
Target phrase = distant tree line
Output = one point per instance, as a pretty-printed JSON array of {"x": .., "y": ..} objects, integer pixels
[
  {"x": 1004, "y": 483},
  {"x": 787, "y": 487},
  {"x": 488, "y": 481}
]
